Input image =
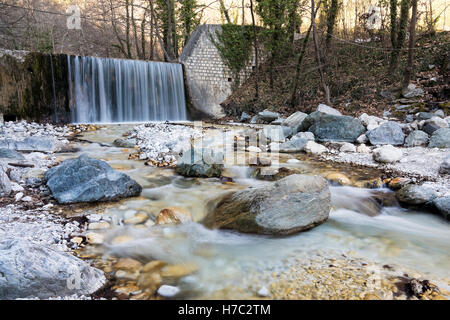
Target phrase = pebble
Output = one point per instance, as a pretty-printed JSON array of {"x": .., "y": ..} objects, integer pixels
[
  {"x": 168, "y": 291},
  {"x": 264, "y": 292}
]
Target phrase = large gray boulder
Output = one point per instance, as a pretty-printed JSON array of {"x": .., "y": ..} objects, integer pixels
[
  {"x": 297, "y": 143},
  {"x": 201, "y": 163},
  {"x": 293, "y": 204},
  {"x": 388, "y": 133},
  {"x": 124, "y": 143},
  {"x": 32, "y": 144},
  {"x": 276, "y": 133},
  {"x": 417, "y": 138},
  {"x": 31, "y": 270},
  {"x": 443, "y": 206},
  {"x": 387, "y": 154},
  {"x": 11, "y": 154},
  {"x": 327, "y": 127},
  {"x": 416, "y": 195},
  {"x": 89, "y": 180},
  {"x": 440, "y": 139},
  {"x": 295, "y": 121}
]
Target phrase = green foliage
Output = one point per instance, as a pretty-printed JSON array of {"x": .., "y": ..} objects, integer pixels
[
  {"x": 188, "y": 15},
  {"x": 234, "y": 43}
]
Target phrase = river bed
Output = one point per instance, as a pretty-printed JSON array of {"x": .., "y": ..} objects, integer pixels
[{"x": 232, "y": 265}]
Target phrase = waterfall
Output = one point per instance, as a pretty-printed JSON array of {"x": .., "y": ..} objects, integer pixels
[{"x": 117, "y": 90}]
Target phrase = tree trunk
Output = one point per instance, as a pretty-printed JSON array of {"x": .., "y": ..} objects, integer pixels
[
  {"x": 401, "y": 36},
  {"x": 393, "y": 8},
  {"x": 255, "y": 44},
  {"x": 298, "y": 68},
  {"x": 225, "y": 11},
  {"x": 318, "y": 58},
  {"x": 412, "y": 42},
  {"x": 127, "y": 29}
]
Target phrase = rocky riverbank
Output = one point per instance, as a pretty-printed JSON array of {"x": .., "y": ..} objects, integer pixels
[{"x": 109, "y": 235}]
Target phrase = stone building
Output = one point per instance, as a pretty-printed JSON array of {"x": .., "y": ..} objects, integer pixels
[{"x": 209, "y": 81}]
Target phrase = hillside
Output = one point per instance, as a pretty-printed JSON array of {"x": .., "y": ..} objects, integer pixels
[{"x": 357, "y": 77}]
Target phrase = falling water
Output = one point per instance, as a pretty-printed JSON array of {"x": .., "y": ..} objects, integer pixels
[{"x": 116, "y": 90}]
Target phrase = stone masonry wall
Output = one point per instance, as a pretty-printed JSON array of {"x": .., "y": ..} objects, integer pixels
[{"x": 208, "y": 79}]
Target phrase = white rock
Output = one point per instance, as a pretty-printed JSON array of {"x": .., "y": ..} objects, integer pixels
[
  {"x": 168, "y": 291},
  {"x": 15, "y": 187},
  {"x": 328, "y": 110},
  {"x": 387, "y": 154},
  {"x": 315, "y": 148},
  {"x": 264, "y": 292},
  {"x": 19, "y": 196},
  {"x": 27, "y": 199},
  {"x": 362, "y": 139},
  {"x": 292, "y": 161},
  {"x": 348, "y": 147},
  {"x": 363, "y": 149}
]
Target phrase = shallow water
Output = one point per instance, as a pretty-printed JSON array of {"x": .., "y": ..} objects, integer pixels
[{"x": 398, "y": 236}]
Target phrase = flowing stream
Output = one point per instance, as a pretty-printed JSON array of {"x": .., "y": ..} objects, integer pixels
[{"x": 399, "y": 236}]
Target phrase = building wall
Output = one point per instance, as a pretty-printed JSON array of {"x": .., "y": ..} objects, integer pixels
[{"x": 208, "y": 79}]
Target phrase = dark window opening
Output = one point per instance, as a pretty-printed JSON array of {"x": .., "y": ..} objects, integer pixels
[
  {"x": 9, "y": 117},
  {"x": 229, "y": 79}
]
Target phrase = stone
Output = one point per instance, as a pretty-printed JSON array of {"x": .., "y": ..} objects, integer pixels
[
  {"x": 445, "y": 166},
  {"x": 99, "y": 225},
  {"x": 387, "y": 154},
  {"x": 179, "y": 270},
  {"x": 276, "y": 133},
  {"x": 295, "y": 121},
  {"x": 434, "y": 124},
  {"x": 412, "y": 92},
  {"x": 11, "y": 154},
  {"x": 328, "y": 127},
  {"x": 27, "y": 199},
  {"x": 305, "y": 135},
  {"x": 290, "y": 205},
  {"x": 203, "y": 163},
  {"x": 388, "y": 133},
  {"x": 362, "y": 139},
  {"x": 425, "y": 116},
  {"x": 277, "y": 122},
  {"x": 416, "y": 195},
  {"x": 125, "y": 143},
  {"x": 328, "y": 110},
  {"x": 38, "y": 144},
  {"x": 33, "y": 177},
  {"x": 5, "y": 185},
  {"x": 254, "y": 119},
  {"x": 371, "y": 122},
  {"x": 173, "y": 215},
  {"x": 440, "y": 113},
  {"x": 121, "y": 239},
  {"x": 95, "y": 238},
  {"x": 363, "y": 149},
  {"x": 294, "y": 145},
  {"x": 88, "y": 180},
  {"x": 128, "y": 264},
  {"x": 168, "y": 291},
  {"x": 268, "y": 116},
  {"x": 417, "y": 138},
  {"x": 264, "y": 292},
  {"x": 440, "y": 139},
  {"x": 150, "y": 282},
  {"x": 315, "y": 148},
  {"x": 348, "y": 147},
  {"x": 245, "y": 117},
  {"x": 138, "y": 218},
  {"x": 31, "y": 270},
  {"x": 339, "y": 179},
  {"x": 153, "y": 266},
  {"x": 18, "y": 196},
  {"x": 398, "y": 183},
  {"x": 443, "y": 206}
]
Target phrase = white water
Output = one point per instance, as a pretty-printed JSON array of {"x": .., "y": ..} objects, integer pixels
[{"x": 116, "y": 90}]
